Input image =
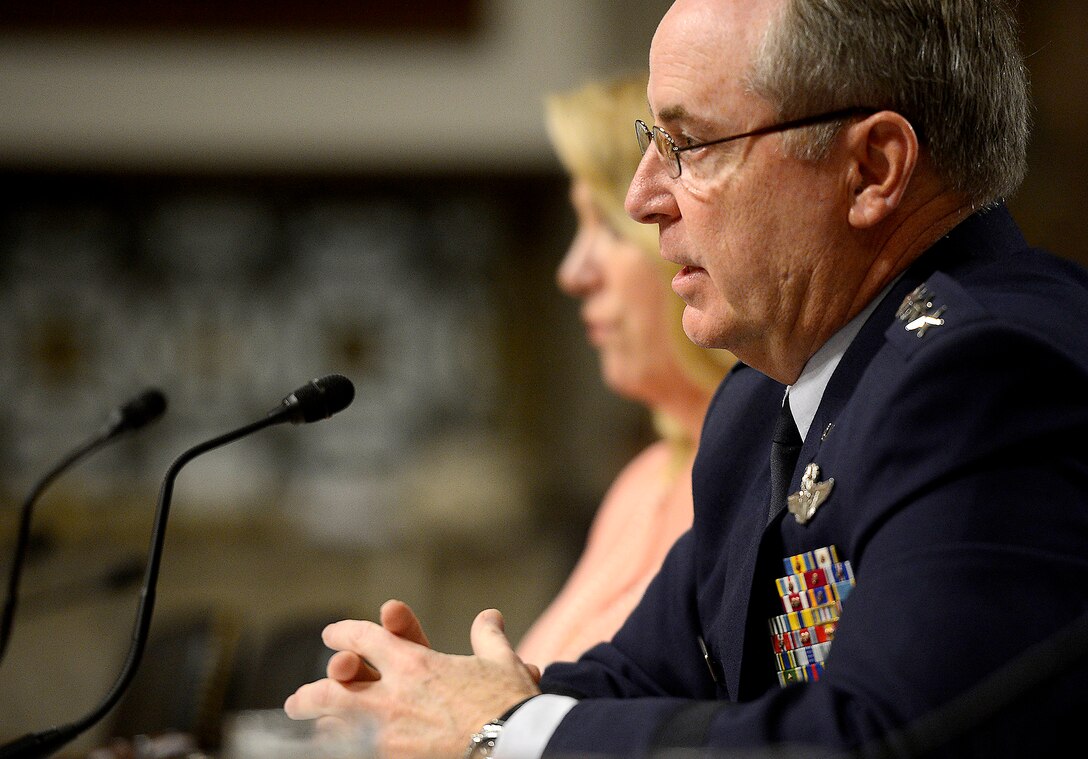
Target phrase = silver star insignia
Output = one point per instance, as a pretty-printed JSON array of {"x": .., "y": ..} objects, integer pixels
[
  {"x": 919, "y": 311},
  {"x": 925, "y": 321},
  {"x": 811, "y": 496}
]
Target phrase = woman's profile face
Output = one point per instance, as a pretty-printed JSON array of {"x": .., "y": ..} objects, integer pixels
[{"x": 625, "y": 303}]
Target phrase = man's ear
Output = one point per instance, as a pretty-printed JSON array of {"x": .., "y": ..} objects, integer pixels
[{"x": 883, "y": 153}]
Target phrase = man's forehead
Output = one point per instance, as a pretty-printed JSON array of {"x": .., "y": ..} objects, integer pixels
[
  {"x": 701, "y": 55},
  {"x": 724, "y": 22},
  {"x": 690, "y": 101}
]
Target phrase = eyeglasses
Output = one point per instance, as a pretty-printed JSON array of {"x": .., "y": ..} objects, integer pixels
[{"x": 670, "y": 151}]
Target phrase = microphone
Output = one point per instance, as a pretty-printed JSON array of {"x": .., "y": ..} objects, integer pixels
[
  {"x": 319, "y": 399},
  {"x": 140, "y": 411}
]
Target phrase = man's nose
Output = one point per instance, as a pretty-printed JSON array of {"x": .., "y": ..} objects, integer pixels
[{"x": 647, "y": 197}]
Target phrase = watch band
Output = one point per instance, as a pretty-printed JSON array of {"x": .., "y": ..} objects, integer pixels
[{"x": 482, "y": 744}]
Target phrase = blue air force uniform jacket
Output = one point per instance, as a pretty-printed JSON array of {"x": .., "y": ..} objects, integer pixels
[{"x": 958, "y": 447}]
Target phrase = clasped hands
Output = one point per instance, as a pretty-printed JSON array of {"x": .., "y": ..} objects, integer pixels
[{"x": 423, "y": 703}]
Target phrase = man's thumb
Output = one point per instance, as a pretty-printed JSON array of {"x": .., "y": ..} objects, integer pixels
[{"x": 488, "y": 637}]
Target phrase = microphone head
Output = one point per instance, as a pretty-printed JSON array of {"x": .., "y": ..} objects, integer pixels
[
  {"x": 318, "y": 399},
  {"x": 140, "y": 411}
]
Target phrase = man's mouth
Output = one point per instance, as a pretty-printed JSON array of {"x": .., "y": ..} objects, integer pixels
[{"x": 686, "y": 279}]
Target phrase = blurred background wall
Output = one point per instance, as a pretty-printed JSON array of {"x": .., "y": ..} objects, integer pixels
[{"x": 223, "y": 200}]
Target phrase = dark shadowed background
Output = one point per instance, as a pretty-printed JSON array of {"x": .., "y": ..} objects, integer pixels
[{"x": 224, "y": 200}]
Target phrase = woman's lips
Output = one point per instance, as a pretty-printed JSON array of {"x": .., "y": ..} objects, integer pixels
[{"x": 597, "y": 332}]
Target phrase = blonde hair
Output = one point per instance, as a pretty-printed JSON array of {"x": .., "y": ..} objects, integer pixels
[{"x": 593, "y": 131}]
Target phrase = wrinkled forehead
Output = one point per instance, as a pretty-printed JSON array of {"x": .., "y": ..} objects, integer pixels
[{"x": 701, "y": 55}]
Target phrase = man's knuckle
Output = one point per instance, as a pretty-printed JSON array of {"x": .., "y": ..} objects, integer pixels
[{"x": 322, "y": 695}]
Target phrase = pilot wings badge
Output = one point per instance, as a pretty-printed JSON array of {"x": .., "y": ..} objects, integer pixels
[{"x": 811, "y": 496}]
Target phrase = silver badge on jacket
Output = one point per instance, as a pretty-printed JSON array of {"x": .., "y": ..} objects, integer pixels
[{"x": 811, "y": 496}]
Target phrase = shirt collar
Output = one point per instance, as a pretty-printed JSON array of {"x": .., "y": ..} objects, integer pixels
[{"x": 806, "y": 393}]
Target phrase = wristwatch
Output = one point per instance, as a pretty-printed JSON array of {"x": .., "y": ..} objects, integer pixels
[{"x": 483, "y": 743}]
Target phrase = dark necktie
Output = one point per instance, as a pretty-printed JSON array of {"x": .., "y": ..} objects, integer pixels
[{"x": 785, "y": 448}]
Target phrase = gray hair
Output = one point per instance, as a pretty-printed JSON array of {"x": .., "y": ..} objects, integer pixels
[{"x": 950, "y": 67}]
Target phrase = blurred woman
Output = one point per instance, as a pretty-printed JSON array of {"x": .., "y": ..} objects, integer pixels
[{"x": 632, "y": 318}]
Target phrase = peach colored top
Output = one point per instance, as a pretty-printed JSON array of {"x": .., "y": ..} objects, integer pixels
[{"x": 644, "y": 511}]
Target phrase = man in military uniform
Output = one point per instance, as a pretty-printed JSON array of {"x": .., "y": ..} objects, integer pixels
[{"x": 902, "y": 449}]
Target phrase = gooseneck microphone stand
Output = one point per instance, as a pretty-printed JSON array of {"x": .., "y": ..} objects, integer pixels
[
  {"x": 318, "y": 400},
  {"x": 135, "y": 414},
  {"x": 22, "y": 541}
]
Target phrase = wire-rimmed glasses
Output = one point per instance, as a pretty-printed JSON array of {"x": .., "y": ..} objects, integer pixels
[{"x": 670, "y": 151}]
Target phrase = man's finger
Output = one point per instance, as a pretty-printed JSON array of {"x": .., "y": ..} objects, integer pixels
[
  {"x": 332, "y": 725},
  {"x": 324, "y": 698},
  {"x": 488, "y": 637},
  {"x": 398, "y": 618},
  {"x": 348, "y": 666},
  {"x": 370, "y": 641}
]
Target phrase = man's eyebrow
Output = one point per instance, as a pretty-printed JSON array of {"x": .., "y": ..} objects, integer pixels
[{"x": 673, "y": 113}]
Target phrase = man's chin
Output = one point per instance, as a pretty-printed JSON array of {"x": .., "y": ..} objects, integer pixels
[{"x": 696, "y": 325}]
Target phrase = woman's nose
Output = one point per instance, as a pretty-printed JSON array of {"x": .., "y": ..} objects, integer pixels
[{"x": 578, "y": 273}]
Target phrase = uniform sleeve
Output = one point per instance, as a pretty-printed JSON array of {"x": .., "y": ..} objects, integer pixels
[{"x": 654, "y": 653}]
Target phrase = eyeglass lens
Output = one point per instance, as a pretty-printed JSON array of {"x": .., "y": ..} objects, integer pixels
[{"x": 644, "y": 134}]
